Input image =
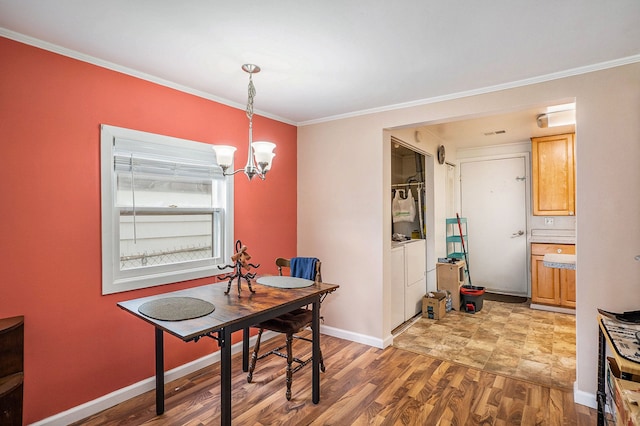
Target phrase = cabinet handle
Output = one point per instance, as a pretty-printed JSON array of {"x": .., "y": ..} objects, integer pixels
[{"x": 559, "y": 250}]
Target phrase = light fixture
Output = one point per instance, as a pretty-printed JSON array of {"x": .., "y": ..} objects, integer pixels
[
  {"x": 261, "y": 150},
  {"x": 559, "y": 115}
]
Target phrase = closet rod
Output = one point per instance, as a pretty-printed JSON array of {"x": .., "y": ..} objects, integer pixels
[{"x": 398, "y": 185}]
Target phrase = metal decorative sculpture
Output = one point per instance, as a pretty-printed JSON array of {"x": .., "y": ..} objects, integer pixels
[{"x": 241, "y": 261}]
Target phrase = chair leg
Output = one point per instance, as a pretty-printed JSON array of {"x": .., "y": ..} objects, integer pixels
[
  {"x": 254, "y": 356},
  {"x": 289, "y": 362}
]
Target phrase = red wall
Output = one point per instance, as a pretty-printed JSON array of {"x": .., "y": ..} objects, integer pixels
[{"x": 78, "y": 344}]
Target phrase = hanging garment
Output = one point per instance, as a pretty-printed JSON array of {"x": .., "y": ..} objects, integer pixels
[{"x": 403, "y": 209}]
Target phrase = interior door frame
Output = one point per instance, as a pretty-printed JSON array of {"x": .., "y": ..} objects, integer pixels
[{"x": 527, "y": 197}]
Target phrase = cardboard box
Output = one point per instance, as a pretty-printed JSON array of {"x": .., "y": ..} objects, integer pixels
[
  {"x": 451, "y": 276},
  {"x": 434, "y": 307},
  {"x": 625, "y": 395}
]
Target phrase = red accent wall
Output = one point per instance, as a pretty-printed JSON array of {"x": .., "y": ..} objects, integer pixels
[{"x": 78, "y": 344}]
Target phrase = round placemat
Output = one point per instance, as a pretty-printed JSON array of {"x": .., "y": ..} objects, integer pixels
[
  {"x": 176, "y": 308},
  {"x": 284, "y": 282}
]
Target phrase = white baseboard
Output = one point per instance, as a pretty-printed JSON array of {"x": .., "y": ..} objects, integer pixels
[
  {"x": 584, "y": 398},
  {"x": 107, "y": 401},
  {"x": 553, "y": 309},
  {"x": 353, "y": 337}
]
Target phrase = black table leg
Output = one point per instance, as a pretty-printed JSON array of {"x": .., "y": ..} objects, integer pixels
[
  {"x": 315, "y": 326},
  {"x": 159, "y": 372},
  {"x": 601, "y": 395},
  {"x": 225, "y": 377},
  {"x": 245, "y": 349}
]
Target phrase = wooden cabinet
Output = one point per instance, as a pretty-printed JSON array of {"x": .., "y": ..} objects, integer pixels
[
  {"x": 552, "y": 286},
  {"x": 553, "y": 173}
]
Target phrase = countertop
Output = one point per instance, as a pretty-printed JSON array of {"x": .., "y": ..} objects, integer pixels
[
  {"x": 560, "y": 261},
  {"x": 395, "y": 244}
]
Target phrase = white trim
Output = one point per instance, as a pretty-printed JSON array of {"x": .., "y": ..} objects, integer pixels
[
  {"x": 129, "y": 71},
  {"x": 483, "y": 90},
  {"x": 354, "y": 337},
  {"x": 148, "y": 77},
  {"x": 107, "y": 401},
  {"x": 584, "y": 398},
  {"x": 112, "y": 140},
  {"x": 553, "y": 309}
]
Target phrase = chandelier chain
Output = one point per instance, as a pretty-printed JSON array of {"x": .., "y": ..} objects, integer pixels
[{"x": 252, "y": 94}]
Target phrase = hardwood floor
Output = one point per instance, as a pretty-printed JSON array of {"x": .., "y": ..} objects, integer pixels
[{"x": 362, "y": 386}]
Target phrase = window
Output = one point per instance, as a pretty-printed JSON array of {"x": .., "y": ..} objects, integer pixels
[{"x": 167, "y": 210}]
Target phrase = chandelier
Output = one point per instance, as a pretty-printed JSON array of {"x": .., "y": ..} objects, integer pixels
[{"x": 262, "y": 151}]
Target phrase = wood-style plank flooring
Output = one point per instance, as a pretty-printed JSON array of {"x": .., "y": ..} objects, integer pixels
[
  {"x": 362, "y": 386},
  {"x": 504, "y": 338}
]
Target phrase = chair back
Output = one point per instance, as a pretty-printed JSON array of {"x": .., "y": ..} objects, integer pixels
[{"x": 282, "y": 262}]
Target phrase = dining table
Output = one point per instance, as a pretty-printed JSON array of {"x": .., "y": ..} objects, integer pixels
[{"x": 212, "y": 311}]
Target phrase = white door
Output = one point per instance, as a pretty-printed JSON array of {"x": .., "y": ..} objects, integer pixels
[{"x": 493, "y": 197}]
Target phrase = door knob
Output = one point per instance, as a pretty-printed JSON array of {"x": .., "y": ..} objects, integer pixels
[{"x": 517, "y": 234}]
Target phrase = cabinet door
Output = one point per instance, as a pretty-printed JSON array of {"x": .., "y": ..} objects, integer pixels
[
  {"x": 568, "y": 288},
  {"x": 552, "y": 286},
  {"x": 553, "y": 170},
  {"x": 544, "y": 282}
]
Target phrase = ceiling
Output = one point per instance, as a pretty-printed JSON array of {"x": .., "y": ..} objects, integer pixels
[
  {"x": 334, "y": 58},
  {"x": 498, "y": 129}
]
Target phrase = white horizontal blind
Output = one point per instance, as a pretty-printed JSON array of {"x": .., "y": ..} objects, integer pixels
[{"x": 160, "y": 159}]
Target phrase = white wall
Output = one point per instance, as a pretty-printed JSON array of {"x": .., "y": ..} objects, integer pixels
[{"x": 344, "y": 214}]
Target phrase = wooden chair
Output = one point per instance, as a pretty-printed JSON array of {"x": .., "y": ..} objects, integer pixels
[{"x": 288, "y": 324}]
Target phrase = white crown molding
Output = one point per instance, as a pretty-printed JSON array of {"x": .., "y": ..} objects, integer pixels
[
  {"x": 128, "y": 71},
  {"x": 154, "y": 79},
  {"x": 484, "y": 90}
]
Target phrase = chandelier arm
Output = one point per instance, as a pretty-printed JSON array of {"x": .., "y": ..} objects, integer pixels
[{"x": 233, "y": 172}]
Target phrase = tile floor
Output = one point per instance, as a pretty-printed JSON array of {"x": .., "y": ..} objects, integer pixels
[{"x": 505, "y": 338}]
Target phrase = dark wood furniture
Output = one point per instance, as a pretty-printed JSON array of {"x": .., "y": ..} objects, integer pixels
[
  {"x": 11, "y": 370},
  {"x": 232, "y": 313},
  {"x": 288, "y": 324}
]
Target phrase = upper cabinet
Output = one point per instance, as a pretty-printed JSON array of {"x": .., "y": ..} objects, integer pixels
[{"x": 553, "y": 169}]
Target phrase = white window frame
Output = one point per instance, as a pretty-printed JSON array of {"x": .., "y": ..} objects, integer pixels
[{"x": 115, "y": 280}]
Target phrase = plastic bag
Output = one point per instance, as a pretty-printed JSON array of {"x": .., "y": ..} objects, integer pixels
[{"x": 403, "y": 210}]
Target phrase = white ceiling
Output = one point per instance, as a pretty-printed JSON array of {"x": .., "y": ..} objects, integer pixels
[
  {"x": 331, "y": 58},
  {"x": 504, "y": 128}
]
